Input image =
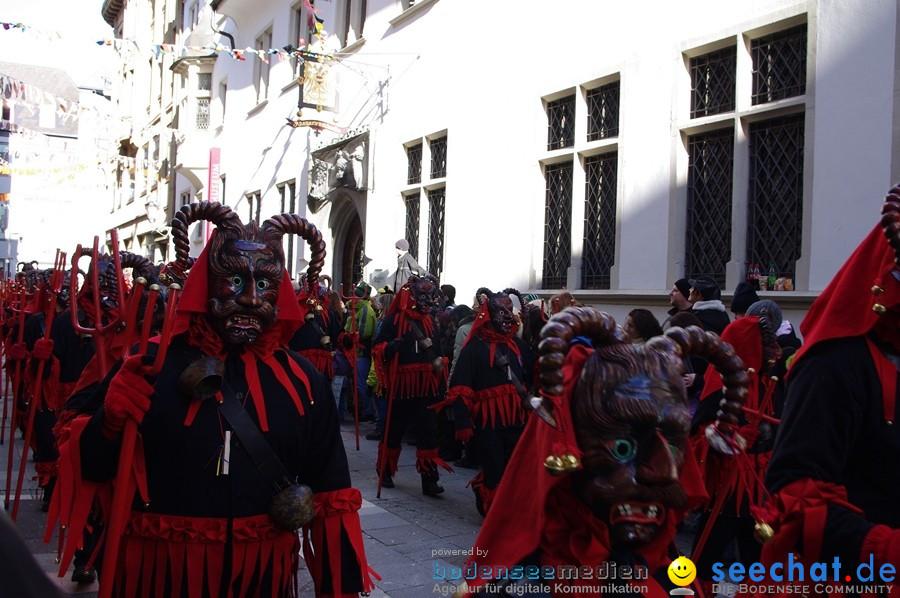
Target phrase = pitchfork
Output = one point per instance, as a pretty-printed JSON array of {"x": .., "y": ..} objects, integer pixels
[
  {"x": 56, "y": 281},
  {"x": 124, "y": 491}
]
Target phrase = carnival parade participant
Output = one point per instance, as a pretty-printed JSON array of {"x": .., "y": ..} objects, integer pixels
[
  {"x": 602, "y": 472},
  {"x": 833, "y": 471},
  {"x": 488, "y": 390},
  {"x": 734, "y": 480},
  {"x": 414, "y": 375},
  {"x": 235, "y": 433}
]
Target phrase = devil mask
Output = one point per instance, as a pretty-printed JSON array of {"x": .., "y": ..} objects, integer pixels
[
  {"x": 243, "y": 286},
  {"x": 631, "y": 422}
]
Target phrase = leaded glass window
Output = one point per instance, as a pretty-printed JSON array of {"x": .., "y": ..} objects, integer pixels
[
  {"x": 414, "y": 164},
  {"x": 710, "y": 181},
  {"x": 599, "y": 220},
  {"x": 557, "y": 225},
  {"x": 436, "y": 199},
  {"x": 775, "y": 203},
  {"x": 561, "y": 123},
  {"x": 603, "y": 111},
  {"x": 439, "y": 157},
  {"x": 779, "y": 65},
  {"x": 412, "y": 223},
  {"x": 712, "y": 82}
]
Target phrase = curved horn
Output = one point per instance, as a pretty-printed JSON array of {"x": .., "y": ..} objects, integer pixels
[
  {"x": 205, "y": 210},
  {"x": 276, "y": 227},
  {"x": 558, "y": 333},
  {"x": 140, "y": 265},
  {"x": 693, "y": 340},
  {"x": 512, "y": 291},
  {"x": 483, "y": 291},
  {"x": 890, "y": 221}
]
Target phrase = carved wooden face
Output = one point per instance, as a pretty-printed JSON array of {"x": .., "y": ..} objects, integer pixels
[
  {"x": 243, "y": 288},
  {"x": 500, "y": 309},
  {"x": 422, "y": 291},
  {"x": 632, "y": 424}
]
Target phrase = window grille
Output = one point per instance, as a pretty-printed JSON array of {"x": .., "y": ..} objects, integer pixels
[
  {"x": 712, "y": 82},
  {"x": 775, "y": 203},
  {"x": 436, "y": 200},
  {"x": 599, "y": 220},
  {"x": 603, "y": 112},
  {"x": 202, "y": 114},
  {"x": 439, "y": 157},
  {"x": 710, "y": 180},
  {"x": 412, "y": 223},
  {"x": 779, "y": 65},
  {"x": 561, "y": 123},
  {"x": 557, "y": 225},
  {"x": 414, "y": 164},
  {"x": 204, "y": 81}
]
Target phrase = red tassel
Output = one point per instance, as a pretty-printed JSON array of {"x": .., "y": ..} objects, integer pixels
[
  {"x": 428, "y": 461},
  {"x": 255, "y": 389}
]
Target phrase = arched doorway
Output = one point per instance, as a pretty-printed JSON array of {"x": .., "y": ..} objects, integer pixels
[{"x": 353, "y": 253}]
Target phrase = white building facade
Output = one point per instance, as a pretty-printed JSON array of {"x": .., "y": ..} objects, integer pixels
[{"x": 605, "y": 148}]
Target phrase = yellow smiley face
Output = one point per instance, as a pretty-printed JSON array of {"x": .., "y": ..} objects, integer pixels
[{"x": 682, "y": 571}]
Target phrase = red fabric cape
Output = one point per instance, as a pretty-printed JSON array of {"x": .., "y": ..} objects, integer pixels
[
  {"x": 844, "y": 308},
  {"x": 744, "y": 335}
]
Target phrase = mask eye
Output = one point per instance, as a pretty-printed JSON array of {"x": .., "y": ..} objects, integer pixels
[
  {"x": 236, "y": 281},
  {"x": 623, "y": 450},
  {"x": 262, "y": 285}
]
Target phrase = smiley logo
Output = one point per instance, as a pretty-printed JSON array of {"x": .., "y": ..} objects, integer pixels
[{"x": 682, "y": 571}]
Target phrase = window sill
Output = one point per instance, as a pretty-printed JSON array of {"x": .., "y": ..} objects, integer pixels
[
  {"x": 353, "y": 47},
  {"x": 411, "y": 12},
  {"x": 295, "y": 82},
  {"x": 258, "y": 108}
]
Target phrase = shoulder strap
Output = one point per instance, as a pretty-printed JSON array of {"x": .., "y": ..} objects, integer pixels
[{"x": 259, "y": 449}]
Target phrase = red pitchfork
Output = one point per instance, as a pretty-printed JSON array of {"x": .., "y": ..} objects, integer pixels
[
  {"x": 352, "y": 299},
  {"x": 99, "y": 329},
  {"x": 5, "y": 295},
  {"x": 17, "y": 376},
  {"x": 56, "y": 281},
  {"x": 124, "y": 491}
]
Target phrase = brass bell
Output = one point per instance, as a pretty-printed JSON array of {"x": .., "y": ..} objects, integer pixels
[
  {"x": 879, "y": 308},
  {"x": 325, "y": 340},
  {"x": 571, "y": 462},
  {"x": 318, "y": 308},
  {"x": 554, "y": 465},
  {"x": 763, "y": 532},
  {"x": 877, "y": 290}
]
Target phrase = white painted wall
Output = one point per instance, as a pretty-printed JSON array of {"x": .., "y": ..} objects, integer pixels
[{"x": 480, "y": 73}]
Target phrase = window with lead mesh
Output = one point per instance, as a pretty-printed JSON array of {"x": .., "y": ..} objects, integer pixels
[
  {"x": 561, "y": 123},
  {"x": 439, "y": 157},
  {"x": 710, "y": 180},
  {"x": 436, "y": 199},
  {"x": 712, "y": 82},
  {"x": 603, "y": 111},
  {"x": 775, "y": 202},
  {"x": 412, "y": 223},
  {"x": 414, "y": 164},
  {"x": 599, "y": 220},
  {"x": 779, "y": 65},
  {"x": 557, "y": 225}
]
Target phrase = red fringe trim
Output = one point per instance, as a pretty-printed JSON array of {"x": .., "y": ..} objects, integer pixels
[
  {"x": 46, "y": 470},
  {"x": 742, "y": 474},
  {"x": 73, "y": 497},
  {"x": 391, "y": 454},
  {"x": 486, "y": 494},
  {"x": 193, "y": 550},
  {"x": 321, "y": 360},
  {"x": 427, "y": 461},
  {"x": 336, "y": 511},
  {"x": 414, "y": 380},
  {"x": 493, "y": 407}
]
